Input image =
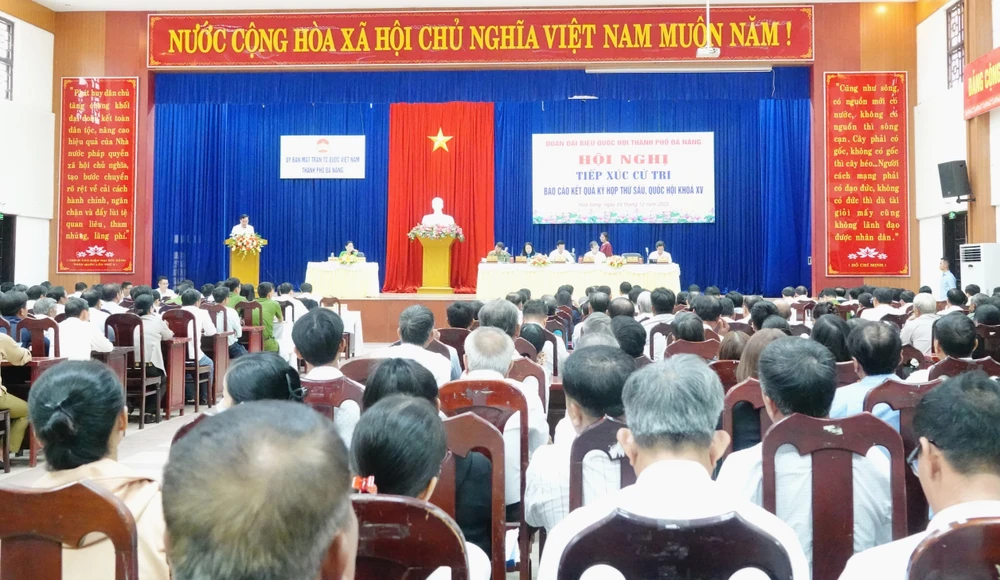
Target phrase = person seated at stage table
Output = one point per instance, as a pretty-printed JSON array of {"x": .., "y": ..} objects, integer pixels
[
  {"x": 595, "y": 255},
  {"x": 416, "y": 331},
  {"x": 499, "y": 252},
  {"x": 660, "y": 255},
  {"x": 606, "y": 245},
  {"x": 528, "y": 250},
  {"x": 349, "y": 250},
  {"x": 561, "y": 254},
  {"x": 243, "y": 228}
]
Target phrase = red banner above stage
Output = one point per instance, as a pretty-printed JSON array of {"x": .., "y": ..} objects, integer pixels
[
  {"x": 867, "y": 175},
  {"x": 97, "y": 143},
  {"x": 982, "y": 84},
  {"x": 516, "y": 37}
]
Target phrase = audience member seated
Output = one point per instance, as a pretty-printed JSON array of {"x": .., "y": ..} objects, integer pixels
[
  {"x": 663, "y": 312},
  {"x": 824, "y": 308},
  {"x": 988, "y": 315},
  {"x": 16, "y": 355},
  {"x": 416, "y": 329},
  {"x": 400, "y": 442},
  {"x": 760, "y": 311},
  {"x": 728, "y": 312},
  {"x": 261, "y": 376},
  {"x": 247, "y": 292},
  {"x": 502, "y": 314},
  {"x": 881, "y": 305},
  {"x": 14, "y": 308},
  {"x": 111, "y": 295},
  {"x": 831, "y": 331},
  {"x": 777, "y": 323},
  {"x": 644, "y": 306},
  {"x": 78, "y": 337},
  {"x": 232, "y": 322},
  {"x": 203, "y": 327},
  {"x": 46, "y": 308},
  {"x": 866, "y": 300},
  {"x": 459, "y": 315},
  {"x": 976, "y": 301},
  {"x": 95, "y": 305},
  {"x": 535, "y": 312},
  {"x": 596, "y": 330},
  {"x": 954, "y": 336},
  {"x": 733, "y": 345},
  {"x": 631, "y": 336},
  {"x": 972, "y": 289},
  {"x": 709, "y": 309},
  {"x": 154, "y": 332},
  {"x": 593, "y": 382},
  {"x": 877, "y": 351},
  {"x": 218, "y": 498},
  {"x": 207, "y": 291},
  {"x": 784, "y": 309},
  {"x": 956, "y": 302},
  {"x": 599, "y": 303},
  {"x": 58, "y": 293},
  {"x": 489, "y": 353},
  {"x": 286, "y": 293},
  {"x": 621, "y": 307},
  {"x": 162, "y": 286},
  {"x": 271, "y": 313},
  {"x": 673, "y": 409},
  {"x": 958, "y": 427},
  {"x": 800, "y": 376},
  {"x": 33, "y": 293},
  {"x": 917, "y": 331},
  {"x": 78, "y": 410},
  {"x": 688, "y": 326}
]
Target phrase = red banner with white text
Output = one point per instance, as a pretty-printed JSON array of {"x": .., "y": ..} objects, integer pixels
[
  {"x": 867, "y": 175},
  {"x": 982, "y": 84},
  {"x": 97, "y": 143},
  {"x": 515, "y": 37}
]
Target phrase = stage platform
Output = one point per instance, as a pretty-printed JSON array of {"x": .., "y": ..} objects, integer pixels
[{"x": 380, "y": 316}]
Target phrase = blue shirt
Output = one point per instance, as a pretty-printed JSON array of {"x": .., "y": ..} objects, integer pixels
[
  {"x": 947, "y": 283},
  {"x": 850, "y": 400}
]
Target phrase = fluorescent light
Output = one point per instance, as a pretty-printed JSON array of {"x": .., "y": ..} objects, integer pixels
[
  {"x": 678, "y": 70},
  {"x": 583, "y": 98}
]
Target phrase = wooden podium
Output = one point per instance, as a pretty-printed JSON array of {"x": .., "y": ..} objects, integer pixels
[
  {"x": 437, "y": 266},
  {"x": 246, "y": 268}
]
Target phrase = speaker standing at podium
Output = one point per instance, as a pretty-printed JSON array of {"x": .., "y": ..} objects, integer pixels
[{"x": 243, "y": 228}]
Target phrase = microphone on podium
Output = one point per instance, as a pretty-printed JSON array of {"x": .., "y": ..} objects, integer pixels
[
  {"x": 573, "y": 251},
  {"x": 647, "y": 250}
]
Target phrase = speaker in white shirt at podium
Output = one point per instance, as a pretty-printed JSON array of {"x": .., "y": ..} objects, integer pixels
[{"x": 243, "y": 228}]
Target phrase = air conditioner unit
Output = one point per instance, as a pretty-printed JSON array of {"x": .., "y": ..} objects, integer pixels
[{"x": 981, "y": 266}]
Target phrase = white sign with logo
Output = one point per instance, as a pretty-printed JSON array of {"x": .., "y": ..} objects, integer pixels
[{"x": 322, "y": 157}]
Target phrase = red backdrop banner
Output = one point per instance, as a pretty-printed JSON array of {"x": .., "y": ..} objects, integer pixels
[
  {"x": 867, "y": 175},
  {"x": 458, "y": 168},
  {"x": 743, "y": 33},
  {"x": 97, "y": 141},
  {"x": 982, "y": 84}
]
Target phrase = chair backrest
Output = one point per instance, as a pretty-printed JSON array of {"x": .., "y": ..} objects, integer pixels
[
  {"x": 847, "y": 311},
  {"x": 898, "y": 319},
  {"x": 287, "y": 310},
  {"x": 903, "y": 397},
  {"x": 36, "y": 523},
  {"x": 846, "y": 374},
  {"x": 440, "y": 348},
  {"x": 214, "y": 310},
  {"x": 726, "y": 369},
  {"x": 706, "y": 349},
  {"x": 990, "y": 366},
  {"x": 833, "y": 443},
  {"x": 359, "y": 369},
  {"x": 967, "y": 549},
  {"x": 557, "y": 328},
  {"x": 601, "y": 436},
  {"x": 566, "y": 310},
  {"x": 680, "y": 308},
  {"x": 168, "y": 307},
  {"x": 179, "y": 320},
  {"x": 246, "y": 311},
  {"x": 741, "y": 327},
  {"x": 746, "y": 392},
  {"x": 330, "y": 302},
  {"x": 327, "y": 396},
  {"x": 124, "y": 327},
  {"x": 525, "y": 349},
  {"x": 989, "y": 338},
  {"x": 801, "y": 309},
  {"x": 641, "y": 361},
  {"x": 660, "y": 328},
  {"x": 524, "y": 368},
  {"x": 941, "y": 305},
  {"x": 469, "y": 432},
  {"x": 685, "y": 548},
  {"x": 37, "y": 327},
  {"x": 712, "y": 335},
  {"x": 799, "y": 330},
  {"x": 59, "y": 318},
  {"x": 911, "y": 356},
  {"x": 402, "y": 537},
  {"x": 551, "y": 338},
  {"x": 455, "y": 338},
  {"x": 951, "y": 367},
  {"x": 5, "y": 326},
  {"x": 185, "y": 429}
]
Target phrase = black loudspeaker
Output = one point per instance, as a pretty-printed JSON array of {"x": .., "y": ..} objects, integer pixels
[{"x": 954, "y": 179}]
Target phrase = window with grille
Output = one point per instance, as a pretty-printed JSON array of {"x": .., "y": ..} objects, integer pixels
[
  {"x": 6, "y": 59},
  {"x": 955, "y": 18}
]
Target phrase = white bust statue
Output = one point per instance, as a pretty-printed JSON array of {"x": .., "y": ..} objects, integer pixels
[{"x": 438, "y": 218}]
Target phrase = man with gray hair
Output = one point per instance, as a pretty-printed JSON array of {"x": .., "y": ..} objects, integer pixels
[
  {"x": 489, "y": 352},
  {"x": 503, "y": 315},
  {"x": 673, "y": 409},
  {"x": 596, "y": 331},
  {"x": 416, "y": 331},
  {"x": 917, "y": 330},
  {"x": 645, "y": 305},
  {"x": 46, "y": 308}
]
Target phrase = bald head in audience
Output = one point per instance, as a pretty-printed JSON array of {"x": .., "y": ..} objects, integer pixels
[
  {"x": 260, "y": 492},
  {"x": 489, "y": 349}
]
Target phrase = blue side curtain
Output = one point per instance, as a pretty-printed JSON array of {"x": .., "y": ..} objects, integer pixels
[{"x": 217, "y": 149}]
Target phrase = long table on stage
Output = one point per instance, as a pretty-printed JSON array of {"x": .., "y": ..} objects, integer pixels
[
  {"x": 496, "y": 280},
  {"x": 350, "y": 282}
]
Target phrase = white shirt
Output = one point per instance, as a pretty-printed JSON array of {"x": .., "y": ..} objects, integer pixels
[
  {"x": 165, "y": 294},
  {"x": 348, "y": 413},
  {"x": 546, "y": 498},
  {"x": 203, "y": 326},
  {"x": 233, "y": 325},
  {"x": 917, "y": 332},
  {"x": 670, "y": 490},
  {"x": 538, "y": 433},
  {"x": 78, "y": 338},
  {"x": 97, "y": 319},
  {"x": 660, "y": 344},
  {"x": 889, "y": 562},
  {"x": 949, "y": 309},
  {"x": 878, "y": 312},
  {"x": 596, "y": 256},
  {"x": 743, "y": 474},
  {"x": 239, "y": 230},
  {"x": 656, "y": 257},
  {"x": 479, "y": 565},
  {"x": 561, "y": 352},
  {"x": 115, "y": 308},
  {"x": 298, "y": 308},
  {"x": 154, "y": 331},
  {"x": 563, "y": 255},
  {"x": 438, "y": 365}
]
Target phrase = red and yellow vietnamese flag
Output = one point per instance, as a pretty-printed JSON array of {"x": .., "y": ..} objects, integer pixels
[{"x": 439, "y": 150}]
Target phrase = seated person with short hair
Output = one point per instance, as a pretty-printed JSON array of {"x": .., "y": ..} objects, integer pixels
[
  {"x": 688, "y": 326},
  {"x": 621, "y": 307},
  {"x": 416, "y": 331},
  {"x": 631, "y": 336},
  {"x": 881, "y": 305},
  {"x": 760, "y": 311},
  {"x": 877, "y": 351},
  {"x": 232, "y": 322},
  {"x": 536, "y": 312},
  {"x": 261, "y": 376},
  {"x": 709, "y": 310},
  {"x": 672, "y": 441},
  {"x": 954, "y": 337},
  {"x": 800, "y": 376},
  {"x": 560, "y": 254},
  {"x": 958, "y": 463},
  {"x": 956, "y": 302},
  {"x": 319, "y": 340},
  {"x": 593, "y": 381},
  {"x": 660, "y": 255},
  {"x": 918, "y": 329},
  {"x": 459, "y": 315},
  {"x": 78, "y": 337},
  {"x": 595, "y": 255},
  {"x": 271, "y": 314}
]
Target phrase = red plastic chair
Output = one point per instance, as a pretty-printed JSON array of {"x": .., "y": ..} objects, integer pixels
[
  {"x": 359, "y": 369},
  {"x": 848, "y": 311},
  {"x": 660, "y": 329},
  {"x": 741, "y": 327},
  {"x": 989, "y": 338},
  {"x": 455, "y": 338},
  {"x": 330, "y": 302},
  {"x": 641, "y": 547},
  {"x": 601, "y": 436},
  {"x": 551, "y": 338},
  {"x": 803, "y": 311},
  {"x": 903, "y": 397},
  {"x": 524, "y": 368},
  {"x": 746, "y": 392},
  {"x": 469, "y": 432},
  {"x": 525, "y": 349},
  {"x": 846, "y": 374},
  {"x": 952, "y": 367},
  {"x": 37, "y": 327},
  {"x": 137, "y": 384},
  {"x": 706, "y": 349},
  {"x": 966, "y": 550},
  {"x": 726, "y": 369},
  {"x": 832, "y": 443},
  {"x": 327, "y": 396},
  {"x": 180, "y": 321},
  {"x": 898, "y": 319},
  {"x": 37, "y": 523},
  {"x": 641, "y": 361}
]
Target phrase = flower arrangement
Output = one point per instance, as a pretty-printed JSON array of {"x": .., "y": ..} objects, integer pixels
[
  {"x": 436, "y": 232},
  {"x": 346, "y": 259},
  {"x": 246, "y": 245},
  {"x": 616, "y": 261},
  {"x": 539, "y": 260}
]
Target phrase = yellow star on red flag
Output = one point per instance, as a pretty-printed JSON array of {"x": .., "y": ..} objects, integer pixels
[{"x": 440, "y": 141}]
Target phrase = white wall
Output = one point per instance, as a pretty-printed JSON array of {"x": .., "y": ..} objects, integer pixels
[
  {"x": 27, "y": 151},
  {"x": 939, "y": 134}
]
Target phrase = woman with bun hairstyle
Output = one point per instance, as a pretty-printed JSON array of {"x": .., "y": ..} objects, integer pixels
[
  {"x": 79, "y": 415},
  {"x": 261, "y": 376}
]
